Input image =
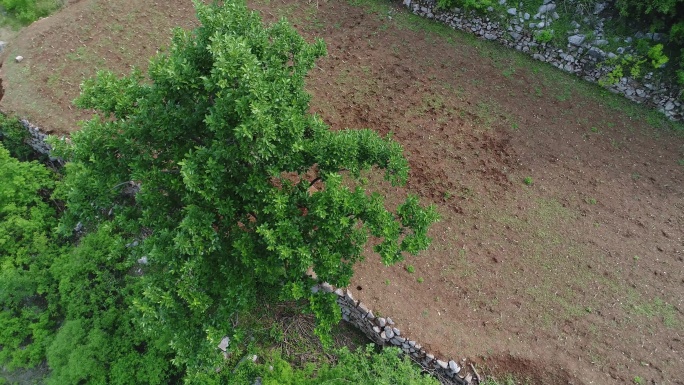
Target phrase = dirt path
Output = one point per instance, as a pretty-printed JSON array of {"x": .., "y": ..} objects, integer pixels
[{"x": 560, "y": 254}]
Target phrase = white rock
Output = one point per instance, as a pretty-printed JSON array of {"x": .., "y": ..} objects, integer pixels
[
  {"x": 512, "y": 11},
  {"x": 225, "y": 342},
  {"x": 18, "y": 59}
]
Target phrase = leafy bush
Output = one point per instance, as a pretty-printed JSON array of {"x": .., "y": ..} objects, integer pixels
[
  {"x": 27, "y": 306},
  {"x": 478, "y": 5},
  {"x": 28, "y": 11},
  {"x": 362, "y": 367},
  {"x": 544, "y": 36},
  {"x": 13, "y": 136},
  {"x": 658, "y": 58},
  {"x": 100, "y": 342},
  {"x": 243, "y": 188}
]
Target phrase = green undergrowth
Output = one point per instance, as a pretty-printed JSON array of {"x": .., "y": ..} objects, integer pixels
[{"x": 18, "y": 13}]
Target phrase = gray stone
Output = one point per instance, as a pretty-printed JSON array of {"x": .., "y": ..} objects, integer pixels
[
  {"x": 538, "y": 56},
  {"x": 512, "y": 11},
  {"x": 556, "y": 16},
  {"x": 430, "y": 356},
  {"x": 376, "y": 329},
  {"x": 3, "y": 44},
  {"x": 620, "y": 50},
  {"x": 599, "y": 7},
  {"x": 383, "y": 335},
  {"x": 453, "y": 366},
  {"x": 490, "y": 36},
  {"x": 225, "y": 342},
  {"x": 526, "y": 16},
  {"x": 389, "y": 333},
  {"x": 669, "y": 106},
  {"x": 143, "y": 260},
  {"x": 550, "y": 7},
  {"x": 576, "y": 40},
  {"x": 396, "y": 331},
  {"x": 370, "y": 315},
  {"x": 339, "y": 292},
  {"x": 514, "y": 35},
  {"x": 442, "y": 364},
  {"x": 502, "y": 2},
  {"x": 611, "y": 55},
  {"x": 326, "y": 287},
  {"x": 596, "y": 53},
  {"x": 18, "y": 59},
  {"x": 350, "y": 297},
  {"x": 600, "y": 42},
  {"x": 640, "y": 93},
  {"x": 533, "y": 25},
  {"x": 381, "y": 322},
  {"x": 574, "y": 24},
  {"x": 541, "y": 24},
  {"x": 363, "y": 308},
  {"x": 389, "y": 321}
]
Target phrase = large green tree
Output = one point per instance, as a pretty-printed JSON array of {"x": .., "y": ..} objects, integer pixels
[{"x": 234, "y": 188}]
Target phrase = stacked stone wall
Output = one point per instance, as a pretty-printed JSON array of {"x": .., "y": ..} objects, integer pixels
[
  {"x": 384, "y": 332},
  {"x": 583, "y": 56}
]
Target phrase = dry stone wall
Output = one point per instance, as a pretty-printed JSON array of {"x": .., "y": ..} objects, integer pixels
[
  {"x": 584, "y": 56},
  {"x": 384, "y": 332}
]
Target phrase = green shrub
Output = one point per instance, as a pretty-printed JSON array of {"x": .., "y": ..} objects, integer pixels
[
  {"x": 28, "y": 11},
  {"x": 478, "y": 5},
  {"x": 677, "y": 33},
  {"x": 27, "y": 303},
  {"x": 14, "y": 136},
  {"x": 658, "y": 58},
  {"x": 362, "y": 367},
  {"x": 100, "y": 341},
  {"x": 544, "y": 36}
]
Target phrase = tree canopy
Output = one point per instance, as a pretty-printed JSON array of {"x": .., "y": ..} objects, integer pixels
[{"x": 226, "y": 186}]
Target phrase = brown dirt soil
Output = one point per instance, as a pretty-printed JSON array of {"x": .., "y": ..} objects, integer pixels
[{"x": 576, "y": 276}]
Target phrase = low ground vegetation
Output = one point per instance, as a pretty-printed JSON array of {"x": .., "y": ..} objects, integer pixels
[{"x": 23, "y": 12}]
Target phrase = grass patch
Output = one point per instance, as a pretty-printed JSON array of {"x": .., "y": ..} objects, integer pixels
[{"x": 18, "y": 13}]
